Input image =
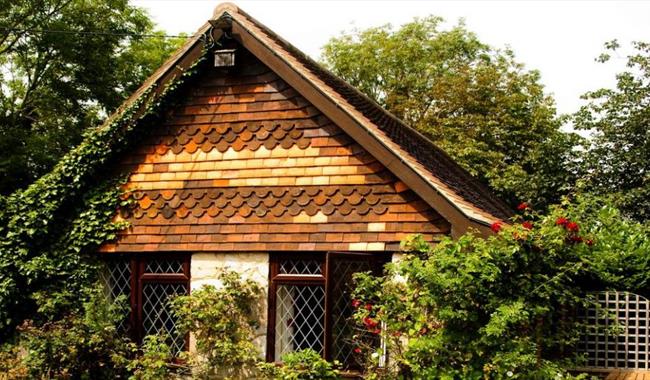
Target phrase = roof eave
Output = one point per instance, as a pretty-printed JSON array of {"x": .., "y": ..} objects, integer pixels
[{"x": 356, "y": 126}]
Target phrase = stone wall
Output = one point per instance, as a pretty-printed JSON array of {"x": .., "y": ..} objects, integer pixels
[{"x": 204, "y": 270}]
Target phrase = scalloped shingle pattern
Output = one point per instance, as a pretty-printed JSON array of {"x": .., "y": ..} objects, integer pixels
[
  {"x": 244, "y": 163},
  {"x": 423, "y": 150}
]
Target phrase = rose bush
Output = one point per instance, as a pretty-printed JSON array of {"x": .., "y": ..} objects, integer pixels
[{"x": 500, "y": 307}]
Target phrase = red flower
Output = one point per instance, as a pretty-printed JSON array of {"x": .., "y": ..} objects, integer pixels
[
  {"x": 356, "y": 303},
  {"x": 589, "y": 242},
  {"x": 527, "y": 225},
  {"x": 357, "y": 350},
  {"x": 370, "y": 323},
  {"x": 376, "y": 331},
  {"x": 368, "y": 306},
  {"x": 561, "y": 221},
  {"x": 496, "y": 227},
  {"x": 573, "y": 227},
  {"x": 523, "y": 206}
]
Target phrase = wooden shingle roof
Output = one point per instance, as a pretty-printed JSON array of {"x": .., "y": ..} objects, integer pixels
[
  {"x": 413, "y": 143},
  {"x": 243, "y": 162},
  {"x": 416, "y": 161}
]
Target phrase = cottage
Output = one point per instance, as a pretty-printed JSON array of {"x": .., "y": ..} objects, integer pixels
[{"x": 272, "y": 166}]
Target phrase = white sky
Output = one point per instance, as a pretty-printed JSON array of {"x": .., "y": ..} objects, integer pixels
[{"x": 558, "y": 38}]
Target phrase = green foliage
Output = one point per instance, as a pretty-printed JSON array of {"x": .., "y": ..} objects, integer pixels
[
  {"x": 153, "y": 363},
  {"x": 617, "y": 159},
  {"x": 301, "y": 365},
  {"x": 477, "y": 103},
  {"x": 56, "y": 85},
  {"x": 11, "y": 363},
  {"x": 501, "y": 307},
  {"x": 224, "y": 322},
  {"x": 48, "y": 229},
  {"x": 82, "y": 345}
]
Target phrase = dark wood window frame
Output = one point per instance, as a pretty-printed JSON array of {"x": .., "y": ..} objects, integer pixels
[
  {"x": 377, "y": 260},
  {"x": 139, "y": 277}
]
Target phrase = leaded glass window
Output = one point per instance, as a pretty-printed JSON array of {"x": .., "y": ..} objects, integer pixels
[
  {"x": 310, "y": 303},
  {"x": 116, "y": 278},
  {"x": 343, "y": 328},
  {"x": 304, "y": 267},
  {"x": 148, "y": 283},
  {"x": 157, "y": 318},
  {"x": 300, "y": 318},
  {"x": 164, "y": 266}
]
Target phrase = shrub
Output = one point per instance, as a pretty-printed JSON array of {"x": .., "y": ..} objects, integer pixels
[
  {"x": 223, "y": 321},
  {"x": 499, "y": 307},
  {"x": 83, "y": 345},
  {"x": 300, "y": 365},
  {"x": 11, "y": 363},
  {"x": 153, "y": 363}
]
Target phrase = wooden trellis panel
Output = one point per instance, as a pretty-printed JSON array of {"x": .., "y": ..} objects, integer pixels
[{"x": 616, "y": 334}]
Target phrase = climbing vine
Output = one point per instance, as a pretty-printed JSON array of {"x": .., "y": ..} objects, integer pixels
[{"x": 48, "y": 229}]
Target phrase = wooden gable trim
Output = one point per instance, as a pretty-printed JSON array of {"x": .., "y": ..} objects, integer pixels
[
  {"x": 174, "y": 67},
  {"x": 385, "y": 151},
  {"x": 387, "y": 156}
]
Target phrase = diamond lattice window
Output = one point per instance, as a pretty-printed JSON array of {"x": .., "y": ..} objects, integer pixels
[
  {"x": 300, "y": 318},
  {"x": 164, "y": 266},
  {"x": 116, "y": 278},
  {"x": 343, "y": 327},
  {"x": 157, "y": 318},
  {"x": 148, "y": 284},
  {"x": 311, "y": 306},
  {"x": 301, "y": 267}
]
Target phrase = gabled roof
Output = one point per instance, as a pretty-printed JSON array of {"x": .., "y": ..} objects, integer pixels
[{"x": 414, "y": 159}]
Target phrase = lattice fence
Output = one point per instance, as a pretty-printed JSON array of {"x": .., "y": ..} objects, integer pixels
[{"x": 616, "y": 331}]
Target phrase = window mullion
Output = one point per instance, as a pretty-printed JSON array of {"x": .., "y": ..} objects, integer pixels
[
  {"x": 299, "y": 280},
  {"x": 327, "y": 344}
]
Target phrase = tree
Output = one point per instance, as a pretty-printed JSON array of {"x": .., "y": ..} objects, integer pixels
[
  {"x": 617, "y": 158},
  {"x": 477, "y": 103},
  {"x": 64, "y": 65}
]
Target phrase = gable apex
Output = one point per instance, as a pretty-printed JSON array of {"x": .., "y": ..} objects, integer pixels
[
  {"x": 222, "y": 8},
  {"x": 415, "y": 160}
]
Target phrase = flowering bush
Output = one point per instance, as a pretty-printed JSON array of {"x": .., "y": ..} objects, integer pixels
[{"x": 499, "y": 307}]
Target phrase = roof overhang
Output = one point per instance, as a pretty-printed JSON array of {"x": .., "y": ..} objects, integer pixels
[{"x": 461, "y": 214}]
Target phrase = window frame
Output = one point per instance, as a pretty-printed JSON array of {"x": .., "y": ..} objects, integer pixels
[
  {"x": 139, "y": 277},
  {"x": 376, "y": 259}
]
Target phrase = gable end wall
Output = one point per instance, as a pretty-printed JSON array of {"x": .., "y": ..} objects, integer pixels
[{"x": 246, "y": 164}]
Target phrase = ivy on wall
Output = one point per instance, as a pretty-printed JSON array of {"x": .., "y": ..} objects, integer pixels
[{"x": 48, "y": 229}]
